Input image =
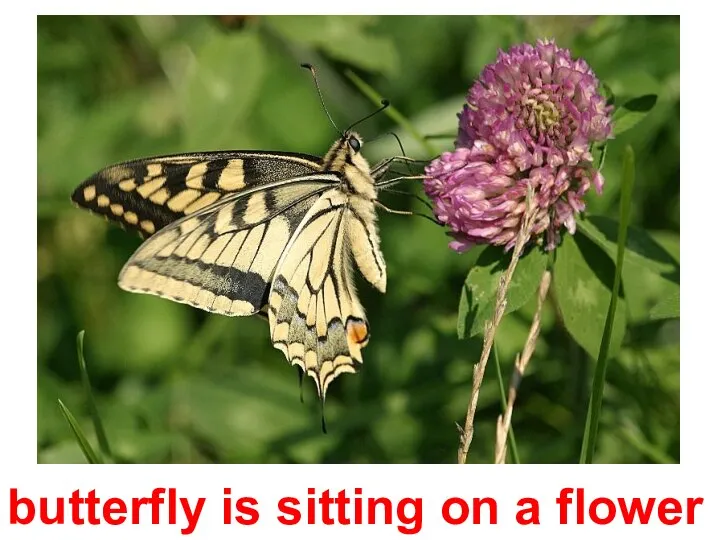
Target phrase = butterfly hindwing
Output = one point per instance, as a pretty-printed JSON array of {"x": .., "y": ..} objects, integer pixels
[
  {"x": 149, "y": 194},
  {"x": 221, "y": 258},
  {"x": 315, "y": 316}
]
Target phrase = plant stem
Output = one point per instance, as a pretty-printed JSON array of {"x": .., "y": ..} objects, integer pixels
[
  {"x": 593, "y": 416},
  {"x": 94, "y": 413},
  {"x": 515, "y": 456},
  {"x": 491, "y": 326},
  {"x": 521, "y": 363}
]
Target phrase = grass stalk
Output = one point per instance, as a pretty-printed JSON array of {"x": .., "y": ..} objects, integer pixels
[
  {"x": 491, "y": 326},
  {"x": 514, "y": 454},
  {"x": 504, "y": 424},
  {"x": 94, "y": 414},
  {"x": 598, "y": 385},
  {"x": 82, "y": 441}
]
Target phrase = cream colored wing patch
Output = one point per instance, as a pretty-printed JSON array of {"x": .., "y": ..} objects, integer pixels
[
  {"x": 315, "y": 316},
  {"x": 222, "y": 258}
]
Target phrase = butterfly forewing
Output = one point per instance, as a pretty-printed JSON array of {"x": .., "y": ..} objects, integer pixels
[{"x": 149, "y": 194}]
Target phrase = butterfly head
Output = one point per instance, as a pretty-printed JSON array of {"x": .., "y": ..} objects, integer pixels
[
  {"x": 345, "y": 151},
  {"x": 344, "y": 159},
  {"x": 350, "y": 143}
]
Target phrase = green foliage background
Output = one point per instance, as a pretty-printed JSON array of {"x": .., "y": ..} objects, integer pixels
[{"x": 175, "y": 384}]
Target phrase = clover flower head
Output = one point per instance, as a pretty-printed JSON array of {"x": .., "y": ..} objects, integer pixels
[
  {"x": 538, "y": 105},
  {"x": 530, "y": 119}
]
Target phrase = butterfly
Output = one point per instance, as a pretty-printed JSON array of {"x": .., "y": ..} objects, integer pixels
[{"x": 275, "y": 234}]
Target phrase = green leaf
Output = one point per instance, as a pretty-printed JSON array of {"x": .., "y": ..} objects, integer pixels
[
  {"x": 593, "y": 416},
  {"x": 477, "y": 300},
  {"x": 341, "y": 37},
  {"x": 607, "y": 91},
  {"x": 631, "y": 112},
  {"x": 641, "y": 247},
  {"x": 95, "y": 415},
  {"x": 667, "y": 308},
  {"x": 583, "y": 277},
  {"x": 222, "y": 86},
  {"x": 82, "y": 441},
  {"x": 643, "y": 290}
]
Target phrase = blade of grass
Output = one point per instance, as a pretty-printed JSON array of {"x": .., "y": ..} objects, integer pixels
[
  {"x": 94, "y": 414},
  {"x": 85, "y": 446},
  {"x": 593, "y": 416},
  {"x": 392, "y": 112},
  {"x": 514, "y": 455}
]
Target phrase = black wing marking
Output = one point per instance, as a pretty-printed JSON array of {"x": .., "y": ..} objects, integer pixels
[
  {"x": 150, "y": 193},
  {"x": 221, "y": 259},
  {"x": 315, "y": 316}
]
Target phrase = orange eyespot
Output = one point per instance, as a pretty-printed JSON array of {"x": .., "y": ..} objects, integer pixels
[{"x": 357, "y": 332}]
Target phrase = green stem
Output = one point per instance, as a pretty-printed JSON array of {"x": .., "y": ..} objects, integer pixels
[
  {"x": 598, "y": 385},
  {"x": 513, "y": 447}
]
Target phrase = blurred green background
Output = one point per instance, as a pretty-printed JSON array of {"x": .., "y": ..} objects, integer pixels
[{"x": 174, "y": 384}]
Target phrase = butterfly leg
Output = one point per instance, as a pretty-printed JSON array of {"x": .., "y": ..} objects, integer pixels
[
  {"x": 381, "y": 168},
  {"x": 392, "y": 210},
  {"x": 407, "y": 213}
]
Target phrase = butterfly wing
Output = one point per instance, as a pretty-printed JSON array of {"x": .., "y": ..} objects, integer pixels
[
  {"x": 239, "y": 233},
  {"x": 222, "y": 257},
  {"x": 149, "y": 194},
  {"x": 315, "y": 316}
]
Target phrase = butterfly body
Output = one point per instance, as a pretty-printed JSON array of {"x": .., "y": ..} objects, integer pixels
[{"x": 244, "y": 232}]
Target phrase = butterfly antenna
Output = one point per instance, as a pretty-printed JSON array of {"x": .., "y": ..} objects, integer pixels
[
  {"x": 312, "y": 70},
  {"x": 384, "y": 105}
]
